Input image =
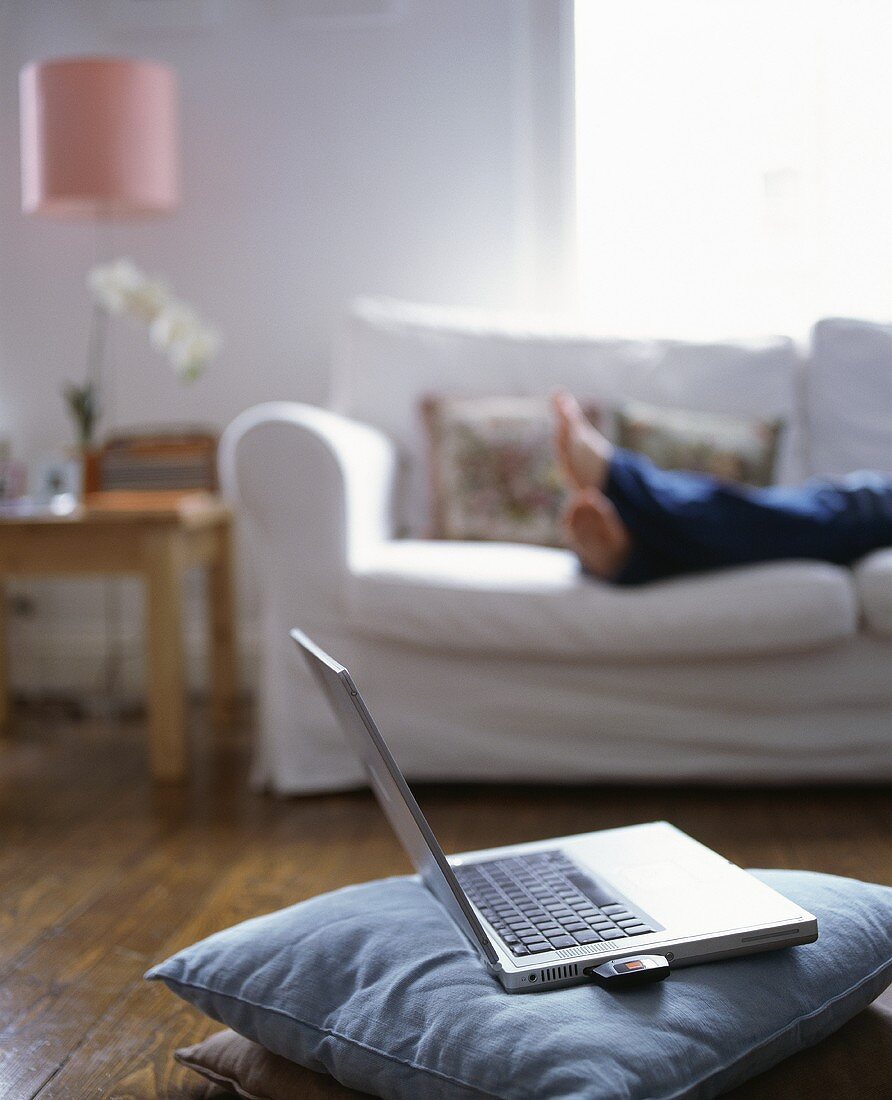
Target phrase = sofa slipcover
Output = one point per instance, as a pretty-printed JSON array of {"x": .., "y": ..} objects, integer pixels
[
  {"x": 501, "y": 662},
  {"x": 848, "y": 397},
  {"x": 533, "y": 601},
  {"x": 873, "y": 580}
]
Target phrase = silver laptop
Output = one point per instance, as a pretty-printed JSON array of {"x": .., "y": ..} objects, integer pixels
[{"x": 547, "y": 913}]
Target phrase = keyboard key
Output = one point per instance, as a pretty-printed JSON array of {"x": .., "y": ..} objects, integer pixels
[
  {"x": 519, "y": 949},
  {"x": 562, "y": 941},
  {"x": 538, "y": 947},
  {"x": 545, "y": 899}
]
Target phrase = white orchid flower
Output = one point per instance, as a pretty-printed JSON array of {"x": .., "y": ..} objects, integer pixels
[
  {"x": 175, "y": 329},
  {"x": 191, "y": 354},
  {"x": 175, "y": 322},
  {"x": 112, "y": 284},
  {"x": 147, "y": 301},
  {"x": 120, "y": 287}
]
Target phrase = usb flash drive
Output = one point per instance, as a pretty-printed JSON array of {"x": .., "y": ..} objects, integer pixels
[{"x": 633, "y": 970}]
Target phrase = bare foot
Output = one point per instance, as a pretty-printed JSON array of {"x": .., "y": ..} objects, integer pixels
[
  {"x": 584, "y": 454},
  {"x": 598, "y": 536}
]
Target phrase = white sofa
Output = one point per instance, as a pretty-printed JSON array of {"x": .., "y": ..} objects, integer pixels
[{"x": 489, "y": 661}]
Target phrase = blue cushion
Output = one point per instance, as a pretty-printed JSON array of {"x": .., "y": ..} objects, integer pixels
[{"x": 375, "y": 985}]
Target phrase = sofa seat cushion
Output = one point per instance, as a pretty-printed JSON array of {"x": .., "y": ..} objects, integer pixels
[
  {"x": 873, "y": 581},
  {"x": 512, "y": 600}
]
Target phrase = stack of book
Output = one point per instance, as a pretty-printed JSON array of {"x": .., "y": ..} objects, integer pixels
[{"x": 160, "y": 459}]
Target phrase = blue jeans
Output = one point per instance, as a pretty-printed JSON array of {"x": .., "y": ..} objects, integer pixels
[{"x": 683, "y": 522}]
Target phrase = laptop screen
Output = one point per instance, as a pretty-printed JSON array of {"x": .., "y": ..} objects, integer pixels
[{"x": 391, "y": 789}]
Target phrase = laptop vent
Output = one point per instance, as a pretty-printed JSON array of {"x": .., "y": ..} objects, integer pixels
[
  {"x": 556, "y": 973},
  {"x": 574, "y": 952}
]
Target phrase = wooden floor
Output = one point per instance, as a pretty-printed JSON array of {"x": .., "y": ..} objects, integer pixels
[{"x": 102, "y": 875}]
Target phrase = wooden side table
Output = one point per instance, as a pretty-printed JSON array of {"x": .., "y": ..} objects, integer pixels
[{"x": 157, "y": 536}]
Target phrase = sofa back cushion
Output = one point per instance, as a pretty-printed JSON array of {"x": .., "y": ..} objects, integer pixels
[
  {"x": 392, "y": 354},
  {"x": 848, "y": 397}
]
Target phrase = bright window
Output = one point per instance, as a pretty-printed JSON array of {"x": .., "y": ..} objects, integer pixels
[{"x": 734, "y": 164}]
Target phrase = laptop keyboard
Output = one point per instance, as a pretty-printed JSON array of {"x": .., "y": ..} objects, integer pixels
[{"x": 542, "y": 902}]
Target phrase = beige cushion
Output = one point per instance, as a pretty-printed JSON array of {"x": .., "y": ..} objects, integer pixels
[{"x": 251, "y": 1071}]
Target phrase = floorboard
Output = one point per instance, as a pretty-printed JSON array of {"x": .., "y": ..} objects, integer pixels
[{"x": 102, "y": 874}]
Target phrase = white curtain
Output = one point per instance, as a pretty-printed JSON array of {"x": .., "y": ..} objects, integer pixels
[{"x": 734, "y": 164}]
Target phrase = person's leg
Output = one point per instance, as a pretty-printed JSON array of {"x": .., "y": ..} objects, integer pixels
[
  {"x": 584, "y": 454},
  {"x": 598, "y": 536},
  {"x": 694, "y": 522},
  {"x": 678, "y": 522}
]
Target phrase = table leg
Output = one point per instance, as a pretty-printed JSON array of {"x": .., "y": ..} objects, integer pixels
[
  {"x": 162, "y": 556},
  {"x": 221, "y": 600},
  {"x": 4, "y": 664}
]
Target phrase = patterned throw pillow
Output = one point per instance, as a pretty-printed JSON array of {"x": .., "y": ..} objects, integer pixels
[
  {"x": 492, "y": 469},
  {"x": 728, "y": 447}
]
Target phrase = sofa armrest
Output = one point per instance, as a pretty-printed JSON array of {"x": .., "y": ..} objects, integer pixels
[{"x": 316, "y": 488}]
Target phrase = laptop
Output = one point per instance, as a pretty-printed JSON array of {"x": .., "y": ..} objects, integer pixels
[{"x": 546, "y": 914}]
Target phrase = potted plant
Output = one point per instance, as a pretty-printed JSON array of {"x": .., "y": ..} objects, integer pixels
[{"x": 174, "y": 329}]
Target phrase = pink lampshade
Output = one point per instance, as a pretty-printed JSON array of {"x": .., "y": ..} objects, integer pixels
[{"x": 99, "y": 138}]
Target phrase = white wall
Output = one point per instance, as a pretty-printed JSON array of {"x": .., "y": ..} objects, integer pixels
[{"x": 324, "y": 156}]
